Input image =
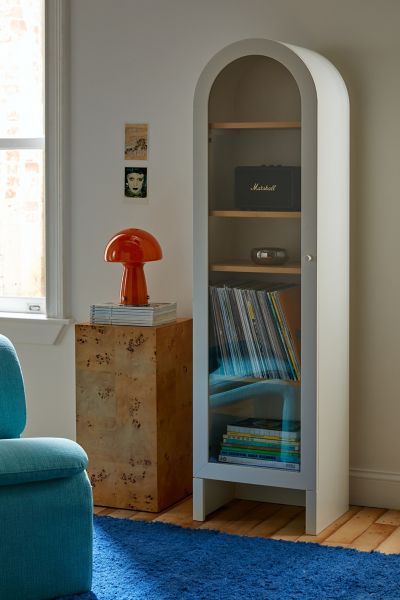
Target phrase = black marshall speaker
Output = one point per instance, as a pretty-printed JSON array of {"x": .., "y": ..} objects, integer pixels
[{"x": 267, "y": 188}]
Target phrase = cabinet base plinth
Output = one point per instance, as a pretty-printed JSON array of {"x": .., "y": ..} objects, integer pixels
[{"x": 210, "y": 494}]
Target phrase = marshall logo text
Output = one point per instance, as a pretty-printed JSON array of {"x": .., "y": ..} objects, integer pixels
[
  {"x": 274, "y": 187},
  {"x": 258, "y": 187}
]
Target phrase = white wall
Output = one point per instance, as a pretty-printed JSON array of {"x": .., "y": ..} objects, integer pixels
[{"x": 137, "y": 61}]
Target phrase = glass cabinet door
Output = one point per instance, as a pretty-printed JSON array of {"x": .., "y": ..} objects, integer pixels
[{"x": 254, "y": 266}]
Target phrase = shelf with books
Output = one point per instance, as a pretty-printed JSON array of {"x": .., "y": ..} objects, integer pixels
[
  {"x": 256, "y": 333},
  {"x": 255, "y": 370},
  {"x": 264, "y": 439},
  {"x": 243, "y": 266},
  {"x": 268, "y": 443}
]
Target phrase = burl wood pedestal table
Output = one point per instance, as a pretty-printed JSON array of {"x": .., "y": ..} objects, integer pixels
[{"x": 134, "y": 412}]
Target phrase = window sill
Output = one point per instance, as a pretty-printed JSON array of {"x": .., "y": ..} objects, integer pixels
[{"x": 28, "y": 329}]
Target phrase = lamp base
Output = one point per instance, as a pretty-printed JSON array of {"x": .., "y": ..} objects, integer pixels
[{"x": 133, "y": 285}]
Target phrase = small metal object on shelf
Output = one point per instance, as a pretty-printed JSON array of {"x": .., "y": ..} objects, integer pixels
[{"x": 269, "y": 256}]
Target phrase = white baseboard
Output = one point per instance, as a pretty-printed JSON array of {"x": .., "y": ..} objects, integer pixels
[
  {"x": 375, "y": 488},
  {"x": 379, "y": 489}
]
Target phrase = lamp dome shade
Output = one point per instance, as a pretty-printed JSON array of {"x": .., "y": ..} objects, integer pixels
[{"x": 133, "y": 247}]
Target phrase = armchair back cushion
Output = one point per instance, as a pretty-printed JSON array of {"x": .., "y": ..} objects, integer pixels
[{"x": 12, "y": 395}]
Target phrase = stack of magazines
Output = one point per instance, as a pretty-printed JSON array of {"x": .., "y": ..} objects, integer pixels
[
  {"x": 156, "y": 313},
  {"x": 257, "y": 330},
  {"x": 269, "y": 443}
]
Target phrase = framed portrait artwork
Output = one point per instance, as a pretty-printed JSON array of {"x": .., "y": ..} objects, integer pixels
[{"x": 135, "y": 182}]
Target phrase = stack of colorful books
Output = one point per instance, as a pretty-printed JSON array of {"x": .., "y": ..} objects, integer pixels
[{"x": 269, "y": 443}]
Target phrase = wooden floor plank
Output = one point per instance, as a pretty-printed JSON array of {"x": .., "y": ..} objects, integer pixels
[
  {"x": 97, "y": 509},
  {"x": 390, "y": 517},
  {"x": 121, "y": 513},
  {"x": 335, "y": 545},
  {"x": 274, "y": 523},
  {"x": 181, "y": 514},
  {"x": 348, "y": 532},
  {"x": 104, "y": 511},
  {"x": 221, "y": 519},
  {"x": 140, "y": 515},
  {"x": 392, "y": 543},
  {"x": 372, "y": 537},
  {"x": 252, "y": 518},
  {"x": 365, "y": 529},
  {"x": 292, "y": 530},
  {"x": 318, "y": 539}
]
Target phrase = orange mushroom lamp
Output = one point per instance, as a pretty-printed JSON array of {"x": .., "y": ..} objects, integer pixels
[{"x": 133, "y": 248}]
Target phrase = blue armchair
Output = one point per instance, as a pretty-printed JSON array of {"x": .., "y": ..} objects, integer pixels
[{"x": 45, "y": 502}]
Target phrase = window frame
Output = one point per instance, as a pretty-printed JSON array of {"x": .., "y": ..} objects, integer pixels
[
  {"x": 20, "y": 325},
  {"x": 56, "y": 154}
]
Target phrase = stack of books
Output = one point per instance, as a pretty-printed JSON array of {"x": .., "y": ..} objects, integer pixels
[
  {"x": 156, "y": 313},
  {"x": 269, "y": 443},
  {"x": 257, "y": 330}
]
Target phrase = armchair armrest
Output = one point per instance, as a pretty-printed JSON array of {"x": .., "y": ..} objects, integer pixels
[{"x": 38, "y": 459}]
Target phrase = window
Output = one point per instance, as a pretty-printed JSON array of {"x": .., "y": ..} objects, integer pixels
[
  {"x": 32, "y": 88},
  {"x": 22, "y": 240}
]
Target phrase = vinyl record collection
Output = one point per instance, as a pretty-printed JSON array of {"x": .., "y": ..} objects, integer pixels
[{"x": 257, "y": 330}]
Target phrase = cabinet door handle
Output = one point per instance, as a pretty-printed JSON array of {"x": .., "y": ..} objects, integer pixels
[{"x": 309, "y": 257}]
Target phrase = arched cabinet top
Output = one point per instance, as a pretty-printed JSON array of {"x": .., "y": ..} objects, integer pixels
[
  {"x": 315, "y": 76},
  {"x": 324, "y": 120}
]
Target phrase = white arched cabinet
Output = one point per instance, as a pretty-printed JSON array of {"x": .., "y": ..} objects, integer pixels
[{"x": 261, "y": 102}]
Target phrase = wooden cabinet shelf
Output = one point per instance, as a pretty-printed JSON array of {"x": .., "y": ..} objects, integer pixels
[
  {"x": 256, "y": 125},
  {"x": 244, "y": 266},
  {"x": 255, "y": 214}
]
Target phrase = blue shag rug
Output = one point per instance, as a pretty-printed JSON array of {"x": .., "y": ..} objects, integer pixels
[{"x": 154, "y": 561}]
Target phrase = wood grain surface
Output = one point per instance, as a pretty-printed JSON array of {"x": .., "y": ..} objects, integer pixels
[{"x": 134, "y": 412}]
